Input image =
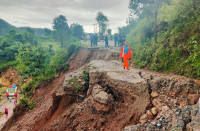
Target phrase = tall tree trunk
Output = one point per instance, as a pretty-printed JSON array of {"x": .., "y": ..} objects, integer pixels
[
  {"x": 155, "y": 25},
  {"x": 156, "y": 19}
]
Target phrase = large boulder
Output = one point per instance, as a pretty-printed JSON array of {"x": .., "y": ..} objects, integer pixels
[{"x": 100, "y": 95}]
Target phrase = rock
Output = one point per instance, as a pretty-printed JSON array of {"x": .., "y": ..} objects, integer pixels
[
  {"x": 150, "y": 115},
  {"x": 100, "y": 95},
  {"x": 154, "y": 111},
  {"x": 177, "y": 113},
  {"x": 165, "y": 108},
  {"x": 153, "y": 123},
  {"x": 171, "y": 94},
  {"x": 194, "y": 110},
  {"x": 194, "y": 125},
  {"x": 81, "y": 77},
  {"x": 187, "y": 114},
  {"x": 83, "y": 83},
  {"x": 182, "y": 104},
  {"x": 143, "y": 118},
  {"x": 154, "y": 94},
  {"x": 96, "y": 89},
  {"x": 157, "y": 104},
  {"x": 132, "y": 128},
  {"x": 193, "y": 98},
  {"x": 100, "y": 107},
  {"x": 158, "y": 125}
]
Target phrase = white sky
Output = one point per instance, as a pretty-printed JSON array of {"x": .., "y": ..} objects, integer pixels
[{"x": 40, "y": 13}]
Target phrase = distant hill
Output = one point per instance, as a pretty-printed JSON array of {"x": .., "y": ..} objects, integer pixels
[
  {"x": 38, "y": 31},
  {"x": 5, "y": 27}
]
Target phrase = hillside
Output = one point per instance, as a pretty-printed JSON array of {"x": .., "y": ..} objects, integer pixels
[
  {"x": 5, "y": 27},
  {"x": 175, "y": 47}
]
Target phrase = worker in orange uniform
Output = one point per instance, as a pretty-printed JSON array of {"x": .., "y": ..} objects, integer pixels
[{"x": 126, "y": 54}]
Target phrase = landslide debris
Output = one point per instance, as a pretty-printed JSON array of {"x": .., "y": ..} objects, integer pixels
[{"x": 103, "y": 96}]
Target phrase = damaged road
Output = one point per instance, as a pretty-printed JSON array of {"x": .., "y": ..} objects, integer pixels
[{"x": 101, "y": 95}]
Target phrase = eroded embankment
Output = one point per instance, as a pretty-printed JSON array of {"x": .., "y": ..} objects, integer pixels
[
  {"x": 112, "y": 98},
  {"x": 117, "y": 99},
  {"x": 44, "y": 94}
]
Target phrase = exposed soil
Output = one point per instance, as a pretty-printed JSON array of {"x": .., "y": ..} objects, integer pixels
[
  {"x": 11, "y": 76},
  {"x": 43, "y": 95},
  {"x": 116, "y": 98}
]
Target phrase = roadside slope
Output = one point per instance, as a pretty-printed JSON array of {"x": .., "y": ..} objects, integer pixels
[{"x": 114, "y": 99}]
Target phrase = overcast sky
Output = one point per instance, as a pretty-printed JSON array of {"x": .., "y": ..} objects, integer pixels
[{"x": 40, "y": 13}]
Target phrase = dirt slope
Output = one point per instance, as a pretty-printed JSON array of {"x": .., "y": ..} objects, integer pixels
[
  {"x": 11, "y": 76},
  {"x": 44, "y": 94},
  {"x": 116, "y": 98}
]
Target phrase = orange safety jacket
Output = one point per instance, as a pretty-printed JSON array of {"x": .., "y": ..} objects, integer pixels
[{"x": 129, "y": 52}]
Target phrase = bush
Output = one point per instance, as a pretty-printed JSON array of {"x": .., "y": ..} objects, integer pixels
[
  {"x": 177, "y": 47},
  {"x": 77, "y": 84},
  {"x": 27, "y": 103},
  {"x": 5, "y": 65},
  {"x": 57, "y": 65}
]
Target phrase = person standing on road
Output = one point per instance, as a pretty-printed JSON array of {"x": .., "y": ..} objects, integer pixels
[
  {"x": 126, "y": 54},
  {"x": 91, "y": 39},
  {"x": 15, "y": 102},
  {"x": 106, "y": 41},
  {"x": 95, "y": 39},
  {"x": 6, "y": 111},
  {"x": 115, "y": 39}
]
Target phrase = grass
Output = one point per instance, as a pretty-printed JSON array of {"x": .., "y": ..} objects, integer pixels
[
  {"x": 77, "y": 84},
  {"x": 26, "y": 102}
]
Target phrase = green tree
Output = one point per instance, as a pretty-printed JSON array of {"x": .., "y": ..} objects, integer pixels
[
  {"x": 139, "y": 6},
  {"x": 61, "y": 29},
  {"x": 109, "y": 31},
  {"x": 12, "y": 32},
  {"x": 32, "y": 59},
  {"x": 77, "y": 30},
  {"x": 102, "y": 21},
  {"x": 28, "y": 29},
  {"x": 47, "y": 32}
]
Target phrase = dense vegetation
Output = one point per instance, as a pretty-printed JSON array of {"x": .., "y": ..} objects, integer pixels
[
  {"x": 5, "y": 27},
  {"x": 165, "y": 35},
  {"x": 39, "y": 57}
]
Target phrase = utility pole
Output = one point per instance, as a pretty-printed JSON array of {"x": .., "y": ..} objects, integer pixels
[
  {"x": 95, "y": 28},
  {"x": 107, "y": 27}
]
